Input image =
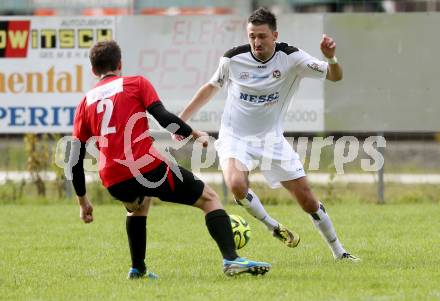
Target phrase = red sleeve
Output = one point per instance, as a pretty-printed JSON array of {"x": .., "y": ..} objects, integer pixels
[
  {"x": 81, "y": 129},
  {"x": 147, "y": 92}
]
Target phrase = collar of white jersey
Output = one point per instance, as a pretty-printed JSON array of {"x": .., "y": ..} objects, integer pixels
[{"x": 264, "y": 62}]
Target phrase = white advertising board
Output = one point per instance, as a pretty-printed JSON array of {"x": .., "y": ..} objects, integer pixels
[{"x": 45, "y": 70}]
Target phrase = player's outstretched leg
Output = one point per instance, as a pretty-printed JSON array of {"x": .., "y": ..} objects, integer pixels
[
  {"x": 301, "y": 190},
  {"x": 219, "y": 227},
  {"x": 253, "y": 205},
  {"x": 324, "y": 225},
  {"x": 236, "y": 176}
]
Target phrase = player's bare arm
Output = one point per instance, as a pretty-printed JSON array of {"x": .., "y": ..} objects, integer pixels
[
  {"x": 202, "y": 96},
  {"x": 328, "y": 49}
]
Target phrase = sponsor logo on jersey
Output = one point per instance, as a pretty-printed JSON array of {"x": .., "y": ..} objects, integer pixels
[
  {"x": 315, "y": 66},
  {"x": 104, "y": 91},
  {"x": 244, "y": 75},
  {"x": 276, "y": 73},
  {"x": 266, "y": 98},
  {"x": 260, "y": 76},
  {"x": 248, "y": 75},
  {"x": 221, "y": 81},
  {"x": 261, "y": 66}
]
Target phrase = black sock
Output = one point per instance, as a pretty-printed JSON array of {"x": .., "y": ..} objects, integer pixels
[
  {"x": 137, "y": 240},
  {"x": 219, "y": 226}
]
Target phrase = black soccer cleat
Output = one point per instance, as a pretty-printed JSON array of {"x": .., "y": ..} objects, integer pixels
[{"x": 348, "y": 257}]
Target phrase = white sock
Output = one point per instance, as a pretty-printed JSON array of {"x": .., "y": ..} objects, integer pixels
[
  {"x": 324, "y": 224},
  {"x": 253, "y": 205}
]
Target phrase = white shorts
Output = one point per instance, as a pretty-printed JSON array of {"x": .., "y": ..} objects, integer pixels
[{"x": 277, "y": 162}]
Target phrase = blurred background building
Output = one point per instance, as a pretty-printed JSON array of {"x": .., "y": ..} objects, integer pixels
[{"x": 198, "y": 7}]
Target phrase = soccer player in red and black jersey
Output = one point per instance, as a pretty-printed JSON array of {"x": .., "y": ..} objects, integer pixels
[{"x": 113, "y": 114}]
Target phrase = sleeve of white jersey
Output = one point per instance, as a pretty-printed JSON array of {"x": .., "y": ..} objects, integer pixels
[
  {"x": 309, "y": 66},
  {"x": 221, "y": 75}
]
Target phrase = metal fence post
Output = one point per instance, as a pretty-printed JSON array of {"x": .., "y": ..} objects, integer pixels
[
  {"x": 68, "y": 188},
  {"x": 380, "y": 174}
]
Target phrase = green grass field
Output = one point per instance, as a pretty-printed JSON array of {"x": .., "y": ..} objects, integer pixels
[{"x": 46, "y": 253}]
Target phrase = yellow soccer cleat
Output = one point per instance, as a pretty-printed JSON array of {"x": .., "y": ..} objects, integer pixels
[{"x": 286, "y": 236}]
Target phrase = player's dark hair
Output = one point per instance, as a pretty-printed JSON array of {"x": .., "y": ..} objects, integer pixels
[
  {"x": 263, "y": 16},
  {"x": 105, "y": 56}
]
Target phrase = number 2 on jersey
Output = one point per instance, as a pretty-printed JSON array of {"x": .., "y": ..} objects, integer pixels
[{"x": 106, "y": 105}]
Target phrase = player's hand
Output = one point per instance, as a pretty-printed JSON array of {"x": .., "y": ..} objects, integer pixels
[
  {"x": 85, "y": 209},
  {"x": 177, "y": 137},
  {"x": 328, "y": 46},
  {"x": 201, "y": 137}
]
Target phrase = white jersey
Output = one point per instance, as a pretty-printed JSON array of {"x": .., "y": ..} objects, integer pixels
[{"x": 259, "y": 93}]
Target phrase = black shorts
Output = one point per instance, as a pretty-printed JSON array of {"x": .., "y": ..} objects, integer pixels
[{"x": 163, "y": 183}]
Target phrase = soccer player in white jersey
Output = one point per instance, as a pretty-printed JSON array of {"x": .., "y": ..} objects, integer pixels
[{"x": 261, "y": 78}]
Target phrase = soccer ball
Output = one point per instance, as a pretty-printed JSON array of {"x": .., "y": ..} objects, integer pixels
[{"x": 241, "y": 231}]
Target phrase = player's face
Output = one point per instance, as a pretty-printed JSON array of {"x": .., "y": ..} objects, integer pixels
[{"x": 262, "y": 40}]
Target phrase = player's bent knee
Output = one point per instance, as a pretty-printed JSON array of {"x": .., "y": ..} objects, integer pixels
[
  {"x": 239, "y": 188},
  {"x": 309, "y": 204},
  {"x": 209, "y": 200},
  {"x": 138, "y": 208}
]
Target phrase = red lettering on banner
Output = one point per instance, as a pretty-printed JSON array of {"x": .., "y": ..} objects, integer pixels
[
  {"x": 205, "y": 35},
  {"x": 189, "y": 58},
  {"x": 149, "y": 60},
  {"x": 208, "y": 32},
  {"x": 178, "y": 32},
  {"x": 175, "y": 69},
  {"x": 235, "y": 30},
  {"x": 169, "y": 64}
]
